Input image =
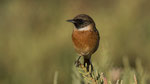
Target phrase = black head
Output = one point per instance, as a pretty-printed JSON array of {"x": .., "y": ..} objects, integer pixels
[{"x": 81, "y": 21}]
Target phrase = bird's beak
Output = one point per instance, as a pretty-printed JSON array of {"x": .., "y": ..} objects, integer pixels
[{"x": 71, "y": 20}]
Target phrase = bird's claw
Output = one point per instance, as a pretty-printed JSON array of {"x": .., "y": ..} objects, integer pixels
[{"x": 77, "y": 63}]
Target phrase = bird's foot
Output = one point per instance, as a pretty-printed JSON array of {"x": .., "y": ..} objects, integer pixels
[
  {"x": 88, "y": 65},
  {"x": 77, "y": 62}
]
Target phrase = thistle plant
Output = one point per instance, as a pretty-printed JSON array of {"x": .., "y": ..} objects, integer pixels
[{"x": 94, "y": 77}]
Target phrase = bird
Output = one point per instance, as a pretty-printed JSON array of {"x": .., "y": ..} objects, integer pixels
[{"x": 85, "y": 38}]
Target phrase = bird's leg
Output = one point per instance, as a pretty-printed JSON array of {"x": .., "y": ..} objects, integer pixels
[
  {"x": 77, "y": 62},
  {"x": 92, "y": 67},
  {"x": 88, "y": 63}
]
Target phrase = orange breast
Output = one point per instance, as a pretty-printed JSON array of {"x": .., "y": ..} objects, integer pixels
[{"x": 85, "y": 42}]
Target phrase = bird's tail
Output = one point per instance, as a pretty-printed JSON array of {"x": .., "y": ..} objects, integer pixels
[{"x": 87, "y": 61}]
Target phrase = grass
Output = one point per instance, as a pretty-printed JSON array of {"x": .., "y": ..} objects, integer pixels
[{"x": 117, "y": 76}]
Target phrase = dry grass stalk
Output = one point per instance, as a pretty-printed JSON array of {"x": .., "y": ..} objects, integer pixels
[
  {"x": 55, "y": 77},
  {"x": 135, "y": 80}
]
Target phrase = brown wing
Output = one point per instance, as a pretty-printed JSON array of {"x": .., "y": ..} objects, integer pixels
[{"x": 85, "y": 42}]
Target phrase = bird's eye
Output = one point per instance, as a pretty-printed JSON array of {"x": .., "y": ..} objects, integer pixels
[{"x": 80, "y": 21}]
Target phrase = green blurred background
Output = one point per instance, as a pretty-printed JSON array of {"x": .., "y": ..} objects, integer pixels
[{"x": 35, "y": 39}]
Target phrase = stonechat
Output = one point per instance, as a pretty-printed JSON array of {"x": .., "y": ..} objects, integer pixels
[{"x": 85, "y": 37}]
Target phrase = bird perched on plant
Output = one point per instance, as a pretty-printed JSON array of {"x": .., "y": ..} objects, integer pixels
[{"x": 85, "y": 38}]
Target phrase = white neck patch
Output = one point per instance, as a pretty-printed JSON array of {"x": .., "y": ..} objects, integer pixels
[
  {"x": 89, "y": 27},
  {"x": 84, "y": 28}
]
